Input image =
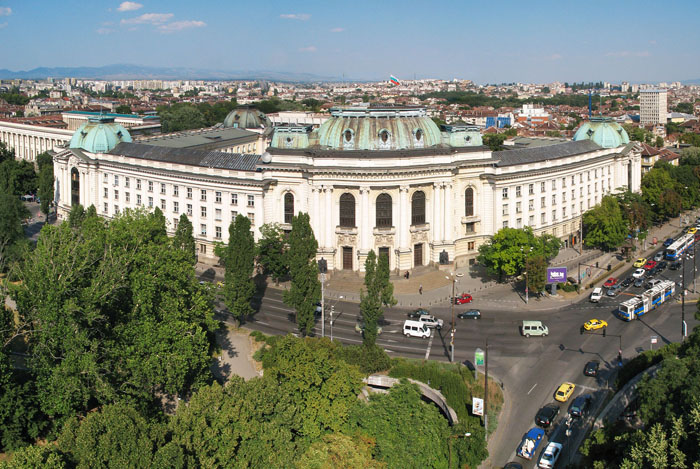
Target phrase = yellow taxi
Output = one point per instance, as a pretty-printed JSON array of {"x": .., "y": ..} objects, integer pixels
[
  {"x": 640, "y": 262},
  {"x": 593, "y": 324},
  {"x": 691, "y": 230},
  {"x": 564, "y": 392}
]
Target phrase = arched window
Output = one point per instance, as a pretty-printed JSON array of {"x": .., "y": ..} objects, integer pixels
[
  {"x": 469, "y": 202},
  {"x": 347, "y": 211},
  {"x": 384, "y": 211},
  {"x": 288, "y": 207},
  {"x": 418, "y": 208}
]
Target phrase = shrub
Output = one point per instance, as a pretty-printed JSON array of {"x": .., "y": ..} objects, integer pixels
[
  {"x": 643, "y": 361},
  {"x": 369, "y": 358}
]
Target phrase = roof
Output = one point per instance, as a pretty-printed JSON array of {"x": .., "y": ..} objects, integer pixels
[
  {"x": 200, "y": 137},
  {"x": 544, "y": 153},
  {"x": 110, "y": 114},
  {"x": 207, "y": 159},
  {"x": 99, "y": 135}
]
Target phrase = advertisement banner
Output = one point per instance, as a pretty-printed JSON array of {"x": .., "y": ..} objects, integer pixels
[
  {"x": 556, "y": 275},
  {"x": 477, "y": 406},
  {"x": 479, "y": 357}
]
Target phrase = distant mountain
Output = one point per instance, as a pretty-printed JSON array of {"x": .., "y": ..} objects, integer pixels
[
  {"x": 695, "y": 81},
  {"x": 138, "y": 72}
]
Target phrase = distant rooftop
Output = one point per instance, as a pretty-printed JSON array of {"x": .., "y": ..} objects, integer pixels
[
  {"x": 111, "y": 114},
  {"x": 653, "y": 90},
  {"x": 544, "y": 153},
  {"x": 197, "y": 138}
]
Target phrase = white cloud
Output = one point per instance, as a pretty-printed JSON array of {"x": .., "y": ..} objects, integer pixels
[
  {"x": 2, "y": 25},
  {"x": 129, "y": 6},
  {"x": 337, "y": 30},
  {"x": 5, "y": 11},
  {"x": 149, "y": 18},
  {"x": 104, "y": 31},
  {"x": 627, "y": 53},
  {"x": 180, "y": 25},
  {"x": 308, "y": 49},
  {"x": 296, "y": 16}
]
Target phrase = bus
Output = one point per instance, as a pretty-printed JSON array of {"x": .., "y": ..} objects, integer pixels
[
  {"x": 676, "y": 250},
  {"x": 650, "y": 299}
]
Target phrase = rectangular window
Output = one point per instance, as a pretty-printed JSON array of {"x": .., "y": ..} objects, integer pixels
[
  {"x": 543, "y": 218},
  {"x": 531, "y": 204},
  {"x": 150, "y": 186},
  {"x": 116, "y": 209},
  {"x": 189, "y": 210},
  {"x": 517, "y": 191},
  {"x": 531, "y": 189},
  {"x": 581, "y": 191},
  {"x": 595, "y": 174},
  {"x": 589, "y": 189},
  {"x": 505, "y": 224},
  {"x": 251, "y": 201},
  {"x": 217, "y": 197},
  {"x": 162, "y": 188},
  {"x": 251, "y": 217},
  {"x": 470, "y": 227},
  {"x": 573, "y": 180},
  {"x": 573, "y": 209},
  {"x": 471, "y": 245},
  {"x": 581, "y": 206},
  {"x": 234, "y": 214},
  {"x": 116, "y": 194},
  {"x": 176, "y": 191},
  {"x": 589, "y": 175},
  {"x": 554, "y": 184},
  {"x": 138, "y": 184},
  {"x": 126, "y": 181},
  {"x": 519, "y": 223},
  {"x": 162, "y": 204},
  {"x": 595, "y": 187},
  {"x": 505, "y": 209},
  {"x": 554, "y": 215},
  {"x": 234, "y": 199},
  {"x": 105, "y": 209},
  {"x": 217, "y": 232},
  {"x": 138, "y": 199},
  {"x": 202, "y": 248},
  {"x": 203, "y": 229},
  {"x": 554, "y": 199},
  {"x": 518, "y": 207},
  {"x": 189, "y": 192},
  {"x": 176, "y": 207},
  {"x": 580, "y": 178},
  {"x": 175, "y": 222},
  {"x": 106, "y": 179},
  {"x": 217, "y": 214},
  {"x": 116, "y": 180},
  {"x": 543, "y": 204},
  {"x": 127, "y": 197},
  {"x": 563, "y": 211},
  {"x": 542, "y": 189},
  {"x": 203, "y": 196},
  {"x": 150, "y": 202},
  {"x": 563, "y": 196},
  {"x": 573, "y": 194},
  {"x": 203, "y": 212},
  {"x": 106, "y": 193},
  {"x": 504, "y": 193},
  {"x": 531, "y": 221},
  {"x": 563, "y": 182}
]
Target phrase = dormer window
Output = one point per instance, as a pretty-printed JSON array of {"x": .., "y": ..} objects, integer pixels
[
  {"x": 384, "y": 136},
  {"x": 384, "y": 139},
  {"x": 348, "y": 139},
  {"x": 288, "y": 142},
  {"x": 348, "y": 135},
  {"x": 467, "y": 139},
  {"x": 419, "y": 135}
]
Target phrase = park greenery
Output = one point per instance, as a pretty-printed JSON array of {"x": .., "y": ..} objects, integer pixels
[
  {"x": 186, "y": 116},
  {"x": 239, "y": 261},
  {"x": 668, "y": 409},
  {"x": 378, "y": 293},
  {"x": 473, "y": 99}
]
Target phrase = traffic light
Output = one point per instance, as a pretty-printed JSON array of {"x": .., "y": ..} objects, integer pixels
[{"x": 603, "y": 332}]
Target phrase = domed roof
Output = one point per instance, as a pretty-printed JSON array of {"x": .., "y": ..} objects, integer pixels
[
  {"x": 99, "y": 135},
  {"x": 603, "y": 131},
  {"x": 377, "y": 129},
  {"x": 247, "y": 118}
]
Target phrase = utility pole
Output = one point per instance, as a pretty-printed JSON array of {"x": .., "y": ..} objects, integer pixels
[
  {"x": 486, "y": 390},
  {"x": 452, "y": 332},
  {"x": 683, "y": 299},
  {"x": 580, "y": 237}
]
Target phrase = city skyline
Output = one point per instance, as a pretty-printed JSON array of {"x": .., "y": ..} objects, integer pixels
[{"x": 543, "y": 42}]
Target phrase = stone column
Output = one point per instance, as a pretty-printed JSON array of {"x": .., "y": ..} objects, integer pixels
[
  {"x": 402, "y": 230},
  {"x": 437, "y": 212},
  {"x": 328, "y": 217},
  {"x": 364, "y": 227},
  {"x": 447, "y": 231},
  {"x": 316, "y": 218}
]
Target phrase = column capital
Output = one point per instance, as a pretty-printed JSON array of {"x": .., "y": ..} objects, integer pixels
[
  {"x": 328, "y": 187},
  {"x": 404, "y": 188},
  {"x": 364, "y": 189}
]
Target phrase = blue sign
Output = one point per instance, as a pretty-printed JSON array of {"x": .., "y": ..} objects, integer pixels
[{"x": 556, "y": 275}]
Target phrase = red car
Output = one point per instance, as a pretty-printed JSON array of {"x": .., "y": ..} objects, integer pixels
[
  {"x": 463, "y": 298},
  {"x": 649, "y": 265},
  {"x": 611, "y": 282}
]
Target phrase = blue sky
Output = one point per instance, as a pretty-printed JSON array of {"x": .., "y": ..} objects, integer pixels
[{"x": 486, "y": 41}]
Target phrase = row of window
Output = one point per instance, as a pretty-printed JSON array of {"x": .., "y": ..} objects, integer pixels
[
  {"x": 218, "y": 195},
  {"x": 543, "y": 216},
  {"x": 531, "y": 187},
  {"x": 543, "y": 200}
]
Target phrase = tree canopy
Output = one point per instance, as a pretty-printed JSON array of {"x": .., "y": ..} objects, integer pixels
[{"x": 603, "y": 225}]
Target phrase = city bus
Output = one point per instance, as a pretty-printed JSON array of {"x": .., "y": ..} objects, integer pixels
[
  {"x": 650, "y": 299},
  {"x": 676, "y": 250}
]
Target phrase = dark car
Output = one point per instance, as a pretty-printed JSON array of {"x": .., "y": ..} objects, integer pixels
[
  {"x": 653, "y": 272},
  {"x": 580, "y": 405},
  {"x": 668, "y": 242},
  {"x": 513, "y": 465},
  {"x": 627, "y": 282},
  {"x": 591, "y": 368},
  {"x": 545, "y": 417},
  {"x": 675, "y": 265},
  {"x": 662, "y": 265},
  {"x": 470, "y": 313},
  {"x": 418, "y": 313},
  {"x": 614, "y": 290},
  {"x": 639, "y": 282}
]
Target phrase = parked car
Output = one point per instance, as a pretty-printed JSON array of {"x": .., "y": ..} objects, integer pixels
[
  {"x": 649, "y": 265},
  {"x": 659, "y": 256},
  {"x": 691, "y": 230},
  {"x": 591, "y": 368},
  {"x": 580, "y": 405},
  {"x": 610, "y": 282},
  {"x": 662, "y": 265},
  {"x": 639, "y": 273},
  {"x": 614, "y": 290},
  {"x": 564, "y": 391},
  {"x": 640, "y": 262},
  {"x": 418, "y": 313},
  {"x": 470, "y": 313},
  {"x": 463, "y": 299},
  {"x": 530, "y": 442},
  {"x": 668, "y": 242},
  {"x": 546, "y": 415},
  {"x": 549, "y": 456},
  {"x": 627, "y": 282},
  {"x": 513, "y": 465},
  {"x": 638, "y": 282},
  {"x": 594, "y": 324},
  {"x": 675, "y": 265}
]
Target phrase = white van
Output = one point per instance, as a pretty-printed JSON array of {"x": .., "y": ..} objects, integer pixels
[
  {"x": 415, "y": 329},
  {"x": 596, "y": 294},
  {"x": 534, "y": 328}
]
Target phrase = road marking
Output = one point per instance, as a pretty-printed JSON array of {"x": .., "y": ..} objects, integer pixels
[
  {"x": 263, "y": 323},
  {"x": 531, "y": 389},
  {"x": 430, "y": 344}
]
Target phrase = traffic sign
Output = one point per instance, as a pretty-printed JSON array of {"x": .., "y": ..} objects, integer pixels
[
  {"x": 653, "y": 339},
  {"x": 479, "y": 357}
]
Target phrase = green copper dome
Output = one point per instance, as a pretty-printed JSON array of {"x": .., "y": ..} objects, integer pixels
[
  {"x": 603, "y": 131},
  {"x": 99, "y": 135},
  {"x": 247, "y": 118}
]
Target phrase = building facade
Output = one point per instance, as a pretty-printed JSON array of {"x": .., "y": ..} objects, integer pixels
[
  {"x": 28, "y": 140},
  {"x": 387, "y": 180},
  {"x": 653, "y": 106}
]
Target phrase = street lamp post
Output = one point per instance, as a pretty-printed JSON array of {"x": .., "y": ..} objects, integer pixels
[
  {"x": 683, "y": 299},
  {"x": 452, "y": 307}
]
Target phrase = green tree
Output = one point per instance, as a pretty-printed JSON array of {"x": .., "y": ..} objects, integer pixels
[
  {"x": 536, "y": 267},
  {"x": 305, "y": 288},
  {"x": 337, "y": 450},
  {"x": 12, "y": 212},
  {"x": 604, "y": 226},
  {"x": 31, "y": 457},
  {"x": 46, "y": 185},
  {"x": 123, "y": 109},
  {"x": 494, "y": 141},
  {"x": 184, "y": 238},
  {"x": 659, "y": 142},
  {"x": 378, "y": 292},
  {"x": 239, "y": 262},
  {"x": 505, "y": 253},
  {"x": 272, "y": 251},
  {"x": 511, "y": 132},
  {"x": 17, "y": 177},
  {"x": 6, "y": 153},
  {"x": 181, "y": 117},
  {"x": 686, "y": 108}
]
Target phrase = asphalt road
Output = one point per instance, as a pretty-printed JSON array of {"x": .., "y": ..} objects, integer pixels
[{"x": 530, "y": 368}]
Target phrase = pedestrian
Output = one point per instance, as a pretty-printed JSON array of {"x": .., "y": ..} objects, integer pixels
[
  {"x": 407, "y": 275},
  {"x": 420, "y": 289}
]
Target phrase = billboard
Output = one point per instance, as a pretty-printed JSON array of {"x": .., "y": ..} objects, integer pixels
[
  {"x": 477, "y": 406},
  {"x": 556, "y": 275}
]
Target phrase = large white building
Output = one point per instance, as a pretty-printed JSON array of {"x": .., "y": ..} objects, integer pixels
[
  {"x": 653, "y": 106},
  {"x": 384, "y": 179}
]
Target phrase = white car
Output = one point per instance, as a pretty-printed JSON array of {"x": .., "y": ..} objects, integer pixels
[
  {"x": 639, "y": 273},
  {"x": 550, "y": 455}
]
